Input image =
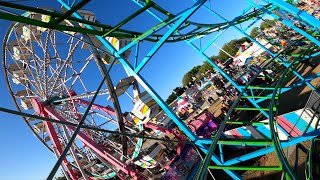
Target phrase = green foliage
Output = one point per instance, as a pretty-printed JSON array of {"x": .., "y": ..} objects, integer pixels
[
  {"x": 267, "y": 24},
  {"x": 206, "y": 66},
  {"x": 231, "y": 48},
  {"x": 197, "y": 71},
  {"x": 188, "y": 76},
  {"x": 186, "y": 79},
  {"x": 254, "y": 32},
  {"x": 176, "y": 92},
  {"x": 290, "y": 1},
  {"x": 61, "y": 178},
  {"x": 171, "y": 98},
  {"x": 213, "y": 58}
]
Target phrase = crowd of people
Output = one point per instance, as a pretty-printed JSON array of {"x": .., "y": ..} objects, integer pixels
[{"x": 310, "y": 6}]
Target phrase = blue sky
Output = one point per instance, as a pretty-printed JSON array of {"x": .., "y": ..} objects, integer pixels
[{"x": 23, "y": 157}]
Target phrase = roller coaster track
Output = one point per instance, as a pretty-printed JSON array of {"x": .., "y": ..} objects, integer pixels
[
  {"x": 273, "y": 113},
  {"x": 198, "y": 29}
]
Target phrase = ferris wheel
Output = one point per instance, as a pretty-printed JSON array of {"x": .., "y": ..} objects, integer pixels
[{"x": 54, "y": 74}]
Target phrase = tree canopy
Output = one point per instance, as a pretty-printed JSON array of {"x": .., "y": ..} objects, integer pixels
[
  {"x": 254, "y": 32},
  {"x": 188, "y": 76},
  {"x": 231, "y": 48},
  {"x": 267, "y": 23},
  {"x": 176, "y": 92},
  {"x": 196, "y": 72}
]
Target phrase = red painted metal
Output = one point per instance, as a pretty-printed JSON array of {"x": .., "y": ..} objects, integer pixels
[
  {"x": 53, "y": 136},
  {"x": 89, "y": 142},
  {"x": 106, "y": 109}
]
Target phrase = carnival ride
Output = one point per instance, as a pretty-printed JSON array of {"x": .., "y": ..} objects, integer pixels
[{"x": 49, "y": 56}]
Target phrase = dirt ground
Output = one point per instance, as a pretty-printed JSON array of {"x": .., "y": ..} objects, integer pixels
[{"x": 290, "y": 101}]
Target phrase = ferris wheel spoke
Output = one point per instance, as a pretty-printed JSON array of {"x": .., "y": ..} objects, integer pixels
[
  {"x": 64, "y": 68},
  {"x": 36, "y": 67},
  {"x": 46, "y": 60},
  {"x": 62, "y": 81},
  {"x": 94, "y": 113},
  {"x": 53, "y": 41},
  {"x": 80, "y": 79},
  {"x": 71, "y": 50},
  {"x": 78, "y": 74}
]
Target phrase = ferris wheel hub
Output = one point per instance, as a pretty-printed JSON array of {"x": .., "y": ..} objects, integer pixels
[
  {"x": 56, "y": 100},
  {"x": 37, "y": 106}
]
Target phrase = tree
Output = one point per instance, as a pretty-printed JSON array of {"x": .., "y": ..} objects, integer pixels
[
  {"x": 206, "y": 66},
  {"x": 188, "y": 76},
  {"x": 231, "y": 48},
  {"x": 214, "y": 58},
  {"x": 175, "y": 92},
  {"x": 171, "y": 98},
  {"x": 186, "y": 79},
  {"x": 254, "y": 32},
  {"x": 267, "y": 24}
]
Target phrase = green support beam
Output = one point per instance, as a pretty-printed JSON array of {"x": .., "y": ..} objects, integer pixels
[
  {"x": 248, "y": 168},
  {"x": 55, "y": 22},
  {"x": 261, "y": 87},
  {"x": 246, "y": 123},
  {"x": 258, "y": 97},
  {"x": 254, "y": 109},
  {"x": 148, "y": 5},
  {"x": 246, "y": 142},
  {"x": 35, "y": 22}
]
